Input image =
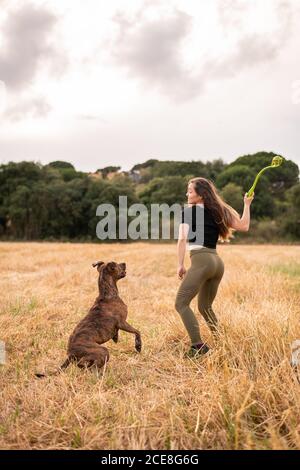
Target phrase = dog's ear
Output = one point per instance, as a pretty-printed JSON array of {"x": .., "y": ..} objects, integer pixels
[{"x": 98, "y": 264}]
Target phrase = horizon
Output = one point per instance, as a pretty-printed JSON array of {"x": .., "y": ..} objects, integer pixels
[{"x": 141, "y": 163}]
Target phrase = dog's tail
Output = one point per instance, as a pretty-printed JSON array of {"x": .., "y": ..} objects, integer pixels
[{"x": 57, "y": 371}]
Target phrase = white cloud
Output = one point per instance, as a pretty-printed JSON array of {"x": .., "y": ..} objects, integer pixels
[
  {"x": 152, "y": 49},
  {"x": 27, "y": 49},
  {"x": 27, "y": 46},
  {"x": 176, "y": 79},
  {"x": 28, "y": 108}
]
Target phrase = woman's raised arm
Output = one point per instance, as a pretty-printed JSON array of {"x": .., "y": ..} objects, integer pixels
[{"x": 242, "y": 224}]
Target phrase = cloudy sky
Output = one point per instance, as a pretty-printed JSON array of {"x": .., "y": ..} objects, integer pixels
[{"x": 102, "y": 83}]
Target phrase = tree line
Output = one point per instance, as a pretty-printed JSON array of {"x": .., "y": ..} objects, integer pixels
[{"x": 57, "y": 202}]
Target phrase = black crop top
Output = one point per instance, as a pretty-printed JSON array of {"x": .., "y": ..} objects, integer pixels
[{"x": 203, "y": 230}]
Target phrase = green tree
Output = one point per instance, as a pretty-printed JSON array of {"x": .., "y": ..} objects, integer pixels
[
  {"x": 174, "y": 168},
  {"x": 290, "y": 223},
  {"x": 60, "y": 164},
  {"x": 280, "y": 179},
  {"x": 214, "y": 168},
  {"x": 241, "y": 175},
  {"x": 169, "y": 190},
  {"x": 233, "y": 195},
  {"x": 108, "y": 169},
  {"x": 147, "y": 164},
  {"x": 66, "y": 170}
]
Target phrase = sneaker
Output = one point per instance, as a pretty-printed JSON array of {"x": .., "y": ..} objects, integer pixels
[{"x": 198, "y": 350}]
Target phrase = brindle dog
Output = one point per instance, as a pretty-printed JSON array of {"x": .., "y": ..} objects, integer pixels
[{"x": 106, "y": 317}]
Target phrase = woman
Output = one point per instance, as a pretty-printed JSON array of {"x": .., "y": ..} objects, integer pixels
[{"x": 218, "y": 222}]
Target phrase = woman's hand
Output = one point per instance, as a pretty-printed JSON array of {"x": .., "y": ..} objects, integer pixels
[
  {"x": 181, "y": 271},
  {"x": 248, "y": 200}
]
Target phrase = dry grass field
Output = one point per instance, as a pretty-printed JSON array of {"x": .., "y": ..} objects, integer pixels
[{"x": 244, "y": 395}]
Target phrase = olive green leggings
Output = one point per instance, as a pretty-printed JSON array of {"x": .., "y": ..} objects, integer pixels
[{"x": 202, "y": 278}]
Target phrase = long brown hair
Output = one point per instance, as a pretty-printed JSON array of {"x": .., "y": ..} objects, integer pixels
[{"x": 222, "y": 213}]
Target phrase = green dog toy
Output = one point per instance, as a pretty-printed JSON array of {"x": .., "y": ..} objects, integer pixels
[{"x": 277, "y": 161}]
